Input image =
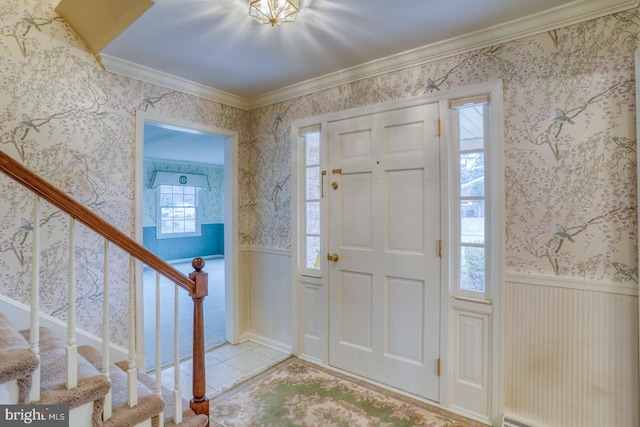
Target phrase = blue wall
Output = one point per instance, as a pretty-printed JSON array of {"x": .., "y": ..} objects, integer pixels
[{"x": 211, "y": 242}]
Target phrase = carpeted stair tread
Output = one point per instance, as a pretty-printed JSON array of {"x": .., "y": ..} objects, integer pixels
[
  {"x": 92, "y": 387},
  {"x": 189, "y": 418},
  {"x": 149, "y": 404},
  {"x": 17, "y": 361}
]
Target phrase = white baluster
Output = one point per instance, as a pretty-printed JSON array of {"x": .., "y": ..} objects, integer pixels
[
  {"x": 72, "y": 348},
  {"x": 34, "y": 335},
  {"x": 132, "y": 372},
  {"x": 158, "y": 389},
  {"x": 177, "y": 393},
  {"x": 106, "y": 339}
]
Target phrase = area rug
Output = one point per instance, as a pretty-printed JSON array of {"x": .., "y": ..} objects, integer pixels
[{"x": 299, "y": 393}]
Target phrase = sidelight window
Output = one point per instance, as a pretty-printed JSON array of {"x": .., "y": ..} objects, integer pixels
[
  {"x": 470, "y": 131},
  {"x": 312, "y": 195}
]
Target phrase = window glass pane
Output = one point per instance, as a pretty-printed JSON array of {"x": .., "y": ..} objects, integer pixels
[
  {"x": 189, "y": 200},
  {"x": 472, "y": 221},
  {"x": 312, "y": 252},
  {"x": 178, "y": 200},
  {"x": 313, "y": 183},
  {"x": 166, "y": 226},
  {"x": 190, "y": 213},
  {"x": 313, "y": 217},
  {"x": 190, "y": 225},
  {"x": 472, "y": 269},
  {"x": 178, "y": 227},
  {"x": 165, "y": 199},
  {"x": 189, "y": 190},
  {"x": 471, "y": 174},
  {"x": 471, "y": 120},
  {"x": 312, "y": 148}
]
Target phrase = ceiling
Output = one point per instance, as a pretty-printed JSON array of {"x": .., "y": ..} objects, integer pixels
[
  {"x": 212, "y": 48},
  {"x": 175, "y": 144},
  {"x": 215, "y": 44}
]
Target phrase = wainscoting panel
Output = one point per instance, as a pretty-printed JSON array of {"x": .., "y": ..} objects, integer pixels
[
  {"x": 571, "y": 355},
  {"x": 269, "y": 291},
  {"x": 470, "y": 379},
  {"x": 313, "y": 329}
]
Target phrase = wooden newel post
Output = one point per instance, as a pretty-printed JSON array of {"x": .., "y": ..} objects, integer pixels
[{"x": 199, "y": 404}]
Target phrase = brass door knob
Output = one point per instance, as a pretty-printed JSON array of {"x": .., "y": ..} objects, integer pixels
[
  {"x": 334, "y": 185},
  {"x": 333, "y": 257}
]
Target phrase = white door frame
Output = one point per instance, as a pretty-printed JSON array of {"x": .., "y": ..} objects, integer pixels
[
  {"x": 232, "y": 309},
  {"x": 301, "y": 279}
]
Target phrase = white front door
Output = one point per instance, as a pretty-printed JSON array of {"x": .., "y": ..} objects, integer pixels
[{"x": 384, "y": 227}]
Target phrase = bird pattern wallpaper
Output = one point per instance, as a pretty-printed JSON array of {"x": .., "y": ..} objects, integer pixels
[{"x": 569, "y": 133}]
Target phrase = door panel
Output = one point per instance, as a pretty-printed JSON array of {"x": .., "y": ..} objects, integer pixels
[
  {"x": 384, "y": 222},
  {"x": 357, "y": 196}
]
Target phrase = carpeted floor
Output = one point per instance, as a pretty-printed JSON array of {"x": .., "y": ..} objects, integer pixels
[
  {"x": 298, "y": 393},
  {"x": 213, "y": 313}
]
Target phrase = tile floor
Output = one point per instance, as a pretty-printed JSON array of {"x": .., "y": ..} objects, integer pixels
[{"x": 226, "y": 366}]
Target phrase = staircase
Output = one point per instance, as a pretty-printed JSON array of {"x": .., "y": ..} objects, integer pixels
[{"x": 38, "y": 366}]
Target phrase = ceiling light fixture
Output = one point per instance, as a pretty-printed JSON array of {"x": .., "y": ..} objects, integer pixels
[{"x": 274, "y": 12}]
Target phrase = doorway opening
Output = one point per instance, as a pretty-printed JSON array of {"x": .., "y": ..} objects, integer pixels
[{"x": 178, "y": 221}]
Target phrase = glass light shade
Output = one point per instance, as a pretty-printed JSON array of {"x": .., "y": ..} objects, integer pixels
[{"x": 274, "y": 12}]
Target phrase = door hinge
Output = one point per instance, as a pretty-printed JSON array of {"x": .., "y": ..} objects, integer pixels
[
  {"x": 439, "y": 367},
  {"x": 440, "y": 248},
  {"x": 438, "y": 126}
]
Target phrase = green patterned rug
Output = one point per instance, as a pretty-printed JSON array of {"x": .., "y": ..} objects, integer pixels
[{"x": 298, "y": 393}]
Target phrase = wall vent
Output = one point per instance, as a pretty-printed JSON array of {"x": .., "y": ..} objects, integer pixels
[{"x": 508, "y": 421}]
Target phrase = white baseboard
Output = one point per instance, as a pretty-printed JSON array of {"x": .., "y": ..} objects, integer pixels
[
  {"x": 19, "y": 316},
  {"x": 282, "y": 347}
]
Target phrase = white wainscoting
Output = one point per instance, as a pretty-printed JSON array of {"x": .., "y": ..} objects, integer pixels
[
  {"x": 269, "y": 295},
  {"x": 470, "y": 373},
  {"x": 313, "y": 309},
  {"x": 571, "y": 352}
]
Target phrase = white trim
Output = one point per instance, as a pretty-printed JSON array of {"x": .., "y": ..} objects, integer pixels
[
  {"x": 265, "y": 250},
  {"x": 558, "y": 17},
  {"x": 494, "y": 89},
  {"x": 637, "y": 75},
  {"x": 276, "y": 345},
  {"x": 159, "y": 78},
  {"x": 602, "y": 286},
  {"x": 232, "y": 287}
]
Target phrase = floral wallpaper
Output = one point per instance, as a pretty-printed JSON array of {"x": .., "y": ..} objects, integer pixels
[
  {"x": 570, "y": 146},
  {"x": 570, "y": 150},
  {"x": 211, "y": 202},
  {"x": 67, "y": 119}
]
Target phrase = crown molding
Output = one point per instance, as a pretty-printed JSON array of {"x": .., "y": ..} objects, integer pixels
[
  {"x": 558, "y": 17},
  {"x": 149, "y": 75}
]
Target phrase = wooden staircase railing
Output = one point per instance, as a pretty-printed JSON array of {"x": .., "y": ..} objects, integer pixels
[{"x": 196, "y": 284}]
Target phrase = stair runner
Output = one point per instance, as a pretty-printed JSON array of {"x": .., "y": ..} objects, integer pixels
[{"x": 18, "y": 362}]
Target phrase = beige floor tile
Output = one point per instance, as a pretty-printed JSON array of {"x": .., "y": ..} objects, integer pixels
[
  {"x": 225, "y": 352},
  {"x": 221, "y": 373},
  {"x": 248, "y": 361},
  {"x": 270, "y": 353}
]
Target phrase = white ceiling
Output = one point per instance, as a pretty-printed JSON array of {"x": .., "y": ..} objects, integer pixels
[
  {"x": 174, "y": 144},
  {"x": 214, "y": 43},
  {"x": 212, "y": 48}
]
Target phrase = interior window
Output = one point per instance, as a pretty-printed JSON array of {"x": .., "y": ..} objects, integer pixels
[{"x": 178, "y": 214}]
